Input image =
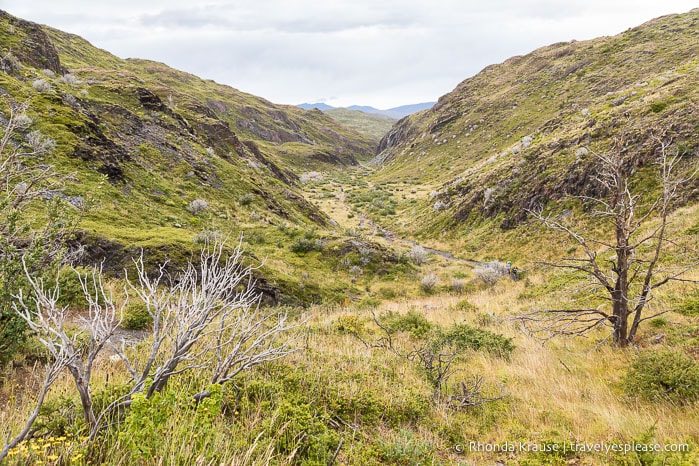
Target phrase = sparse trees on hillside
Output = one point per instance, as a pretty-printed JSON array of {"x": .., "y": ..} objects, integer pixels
[{"x": 627, "y": 263}]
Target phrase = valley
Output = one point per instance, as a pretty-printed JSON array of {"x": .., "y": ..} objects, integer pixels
[{"x": 219, "y": 279}]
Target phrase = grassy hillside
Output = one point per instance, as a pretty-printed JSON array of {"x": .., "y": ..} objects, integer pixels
[
  {"x": 374, "y": 126},
  {"x": 403, "y": 355},
  {"x": 144, "y": 141},
  {"x": 522, "y": 133}
]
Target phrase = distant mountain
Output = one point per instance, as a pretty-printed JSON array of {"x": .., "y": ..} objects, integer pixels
[
  {"x": 319, "y": 106},
  {"x": 396, "y": 113}
]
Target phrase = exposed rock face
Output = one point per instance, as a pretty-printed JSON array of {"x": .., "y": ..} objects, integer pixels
[
  {"x": 36, "y": 48},
  {"x": 401, "y": 131}
]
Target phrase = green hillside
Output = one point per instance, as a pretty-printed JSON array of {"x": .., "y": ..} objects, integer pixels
[
  {"x": 373, "y": 126},
  {"x": 522, "y": 133},
  {"x": 404, "y": 306},
  {"x": 144, "y": 141}
]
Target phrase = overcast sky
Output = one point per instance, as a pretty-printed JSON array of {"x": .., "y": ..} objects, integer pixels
[{"x": 382, "y": 53}]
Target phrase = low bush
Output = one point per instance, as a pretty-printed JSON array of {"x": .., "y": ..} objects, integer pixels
[
  {"x": 463, "y": 337},
  {"x": 690, "y": 306},
  {"x": 491, "y": 272},
  {"x": 411, "y": 322},
  {"x": 663, "y": 375},
  {"x": 41, "y": 85},
  {"x": 136, "y": 317},
  {"x": 429, "y": 282},
  {"x": 417, "y": 255},
  {"x": 350, "y": 324},
  {"x": 304, "y": 245},
  {"x": 197, "y": 206},
  {"x": 465, "y": 306}
]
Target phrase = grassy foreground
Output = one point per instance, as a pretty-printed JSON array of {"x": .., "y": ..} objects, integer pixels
[{"x": 337, "y": 401}]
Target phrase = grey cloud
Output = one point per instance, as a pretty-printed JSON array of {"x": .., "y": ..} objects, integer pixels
[{"x": 376, "y": 52}]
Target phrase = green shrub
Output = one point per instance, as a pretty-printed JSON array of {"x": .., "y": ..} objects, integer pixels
[
  {"x": 463, "y": 337},
  {"x": 387, "y": 293},
  {"x": 57, "y": 416},
  {"x": 297, "y": 428},
  {"x": 658, "y": 322},
  {"x": 409, "y": 408},
  {"x": 657, "y": 107},
  {"x": 72, "y": 294},
  {"x": 405, "y": 447},
  {"x": 663, "y": 375},
  {"x": 136, "y": 316},
  {"x": 351, "y": 324},
  {"x": 246, "y": 199},
  {"x": 411, "y": 322},
  {"x": 304, "y": 245},
  {"x": 465, "y": 306},
  {"x": 690, "y": 306}
]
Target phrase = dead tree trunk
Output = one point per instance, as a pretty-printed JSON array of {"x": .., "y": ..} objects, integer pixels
[{"x": 640, "y": 225}]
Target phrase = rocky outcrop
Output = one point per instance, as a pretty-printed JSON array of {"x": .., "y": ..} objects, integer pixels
[{"x": 35, "y": 48}]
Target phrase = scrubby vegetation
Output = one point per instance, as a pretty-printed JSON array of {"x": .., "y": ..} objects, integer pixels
[{"x": 370, "y": 314}]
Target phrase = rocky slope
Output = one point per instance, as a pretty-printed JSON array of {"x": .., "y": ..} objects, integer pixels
[
  {"x": 163, "y": 138},
  {"x": 161, "y": 159},
  {"x": 521, "y": 133}
]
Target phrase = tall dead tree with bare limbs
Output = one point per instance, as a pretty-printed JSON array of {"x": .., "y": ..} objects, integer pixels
[{"x": 626, "y": 264}]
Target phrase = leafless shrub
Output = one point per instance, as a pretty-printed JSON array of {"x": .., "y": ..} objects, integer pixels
[
  {"x": 356, "y": 271},
  {"x": 417, "y": 255},
  {"x": 47, "y": 320},
  {"x": 48, "y": 73},
  {"x": 490, "y": 273},
  {"x": 311, "y": 177},
  {"x": 488, "y": 195},
  {"x": 39, "y": 143},
  {"x": 197, "y": 206},
  {"x": 429, "y": 282},
  {"x": 458, "y": 285},
  {"x": 208, "y": 236},
  {"x": 41, "y": 85},
  {"x": 438, "y": 206},
  {"x": 209, "y": 321},
  {"x": 23, "y": 121},
  {"x": 69, "y": 79}
]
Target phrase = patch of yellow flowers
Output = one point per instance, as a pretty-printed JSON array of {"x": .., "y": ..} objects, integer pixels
[{"x": 47, "y": 450}]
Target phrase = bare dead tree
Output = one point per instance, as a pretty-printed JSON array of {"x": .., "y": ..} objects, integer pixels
[
  {"x": 48, "y": 321},
  {"x": 626, "y": 266},
  {"x": 208, "y": 320}
]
